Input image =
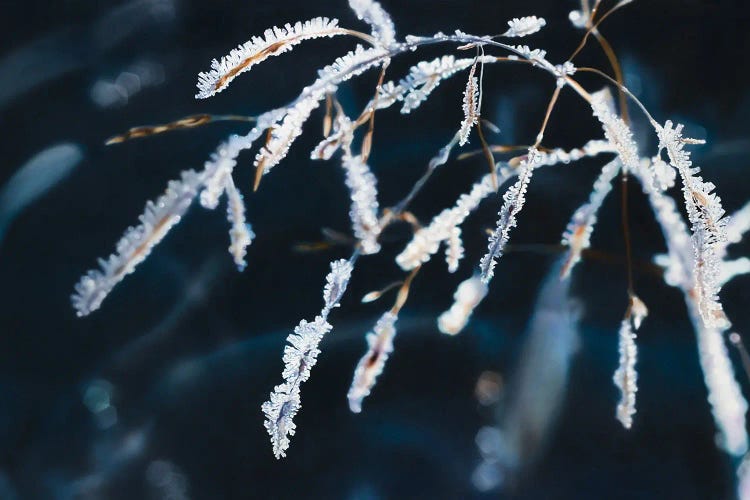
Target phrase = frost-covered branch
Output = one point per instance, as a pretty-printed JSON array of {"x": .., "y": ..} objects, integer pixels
[
  {"x": 513, "y": 201},
  {"x": 371, "y": 12},
  {"x": 696, "y": 262},
  {"x": 524, "y": 26},
  {"x": 426, "y": 240},
  {"x": 241, "y": 234},
  {"x": 364, "y": 209},
  {"x": 137, "y": 242},
  {"x": 616, "y": 130},
  {"x": 275, "y": 41},
  {"x": 708, "y": 224},
  {"x": 423, "y": 79},
  {"x": 577, "y": 236},
  {"x": 300, "y": 355},
  {"x": 380, "y": 346},
  {"x": 626, "y": 377},
  {"x": 283, "y": 134},
  {"x": 470, "y": 106},
  {"x": 467, "y": 297},
  {"x": 728, "y": 405}
]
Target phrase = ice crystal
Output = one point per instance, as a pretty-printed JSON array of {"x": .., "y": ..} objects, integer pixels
[{"x": 524, "y": 26}]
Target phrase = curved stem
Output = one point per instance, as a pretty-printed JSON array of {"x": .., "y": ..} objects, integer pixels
[
  {"x": 191, "y": 121},
  {"x": 550, "y": 107},
  {"x": 615, "y": 63},
  {"x": 362, "y": 36},
  {"x": 624, "y": 89},
  {"x": 626, "y": 233},
  {"x": 593, "y": 28}
]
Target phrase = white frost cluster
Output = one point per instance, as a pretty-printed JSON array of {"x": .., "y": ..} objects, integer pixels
[
  {"x": 380, "y": 21},
  {"x": 592, "y": 148},
  {"x": 578, "y": 19},
  {"x": 454, "y": 249},
  {"x": 728, "y": 405},
  {"x": 708, "y": 224},
  {"x": 362, "y": 185},
  {"x": 577, "y": 236},
  {"x": 663, "y": 174},
  {"x": 275, "y": 41},
  {"x": 562, "y": 71},
  {"x": 284, "y": 133},
  {"x": 336, "y": 282},
  {"x": 467, "y": 297},
  {"x": 380, "y": 346},
  {"x": 470, "y": 107},
  {"x": 524, "y": 26},
  {"x": 626, "y": 377},
  {"x": 136, "y": 244},
  {"x": 536, "y": 56},
  {"x": 616, "y": 130},
  {"x": 241, "y": 233},
  {"x": 513, "y": 201},
  {"x": 300, "y": 355}
]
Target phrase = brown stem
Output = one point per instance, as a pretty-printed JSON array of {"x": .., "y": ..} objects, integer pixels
[
  {"x": 367, "y": 141},
  {"x": 615, "y": 63},
  {"x": 495, "y": 148},
  {"x": 626, "y": 233},
  {"x": 191, "y": 121},
  {"x": 585, "y": 39},
  {"x": 487, "y": 155},
  {"x": 403, "y": 292},
  {"x": 328, "y": 120},
  {"x": 550, "y": 106}
]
